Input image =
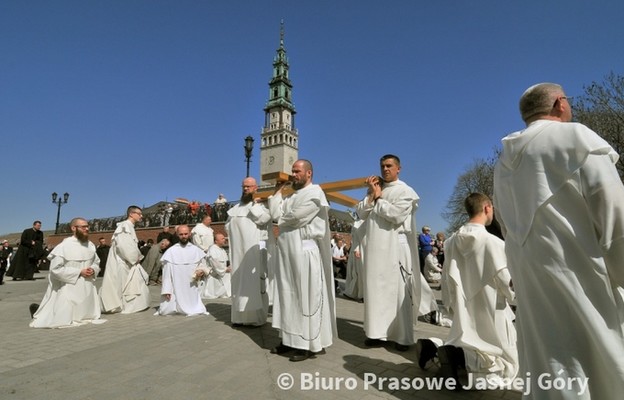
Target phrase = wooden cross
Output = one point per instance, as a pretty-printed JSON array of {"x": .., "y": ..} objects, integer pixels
[{"x": 332, "y": 189}]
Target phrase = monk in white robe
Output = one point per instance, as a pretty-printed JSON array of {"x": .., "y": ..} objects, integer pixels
[
  {"x": 303, "y": 303},
  {"x": 71, "y": 298},
  {"x": 124, "y": 288},
  {"x": 476, "y": 290},
  {"x": 180, "y": 293},
  {"x": 217, "y": 278},
  {"x": 202, "y": 234},
  {"x": 246, "y": 228},
  {"x": 560, "y": 202},
  {"x": 432, "y": 270},
  {"x": 395, "y": 291}
]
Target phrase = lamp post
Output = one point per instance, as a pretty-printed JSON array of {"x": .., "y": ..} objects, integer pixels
[
  {"x": 249, "y": 141},
  {"x": 59, "y": 202}
]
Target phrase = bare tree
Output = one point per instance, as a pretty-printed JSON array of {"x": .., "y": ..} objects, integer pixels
[
  {"x": 479, "y": 177},
  {"x": 601, "y": 108}
]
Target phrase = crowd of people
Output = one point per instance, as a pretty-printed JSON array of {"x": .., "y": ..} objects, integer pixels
[
  {"x": 166, "y": 214},
  {"x": 559, "y": 201}
]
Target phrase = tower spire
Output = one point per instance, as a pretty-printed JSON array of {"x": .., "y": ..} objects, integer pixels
[
  {"x": 280, "y": 140},
  {"x": 282, "y": 33}
]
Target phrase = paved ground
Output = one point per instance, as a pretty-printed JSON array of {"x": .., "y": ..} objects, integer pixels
[{"x": 141, "y": 356}]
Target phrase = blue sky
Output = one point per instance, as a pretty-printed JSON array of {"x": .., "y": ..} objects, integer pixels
[{"x": 135, "y": 101}]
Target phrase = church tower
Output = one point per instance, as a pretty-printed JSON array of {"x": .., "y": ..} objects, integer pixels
[{"x": 279, "y": 147}]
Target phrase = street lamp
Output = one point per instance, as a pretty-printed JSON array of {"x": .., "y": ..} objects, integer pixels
[
  {"x": 58, "y": 201},
  {"x": 249, "y": 141}
]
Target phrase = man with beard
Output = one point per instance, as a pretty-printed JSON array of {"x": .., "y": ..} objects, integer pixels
[
  {"x": 71, "y": 298},
  {"x": 304, "y": 303},
  {"x": 396, "y": 291},
  {"x": 124, "y": 288},
  {"x": 183, "y": 265},
  {"x": 202, "y": 234},
  {"x": 246, "y": 228},
  {"x": 28, "y": 254}
]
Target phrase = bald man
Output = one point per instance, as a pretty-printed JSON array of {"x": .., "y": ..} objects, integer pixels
[
  {"x": 560, "y": 202},
  {"x": 304, "y": 303},
  {"x": 180, "y": 293},
  {"x": 246, "y": 227}
]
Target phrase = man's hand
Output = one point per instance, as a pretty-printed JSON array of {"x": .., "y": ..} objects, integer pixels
[
  {"x": 374, "y": 188},
  {"x": 279, "y": 185},
  {"x": 87, "y": 272}
]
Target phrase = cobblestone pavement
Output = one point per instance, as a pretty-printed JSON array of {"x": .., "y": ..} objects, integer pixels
[{"x": 142, "y": 356}]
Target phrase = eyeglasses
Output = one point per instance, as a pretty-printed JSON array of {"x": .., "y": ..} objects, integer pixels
[
  {"x": 137, "y": 212},
  {"x": 82, "y": 226}
]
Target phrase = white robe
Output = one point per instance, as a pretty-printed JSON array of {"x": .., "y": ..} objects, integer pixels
[
  {"x": 354, "y": 283},
  {"x": 561, "y": 203},
  {"x": 202, "y": 236},
  {"x": 271, "y": 261},
  {"x": 395, "y": 291},
  {"x": 246, "y": 228},
  {"x": 179, "y": 266},
  {"x": 475, "y": 289},
  {"x": 124, "y": 288},
  {"x": 217, "y": 283},
  {"x": 303, "y": 303},
  {"x": 70, "y": 299},
  {"x": 432, "y": 270}
]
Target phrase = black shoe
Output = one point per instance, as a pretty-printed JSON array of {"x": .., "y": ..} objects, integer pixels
[
  {"x": 425, "y": 350},
  {"x": 33, "y": 309},
  {"x": 281, "y": 349},
  {"x": 236, "y": 325},
  {"x": 451, "y": 359},
  {"x": 301, "y": 355},
  {"x": 373, "y": 342},
  {"x": 434, "y": 317},
  {"x": 401, "y": 347}
]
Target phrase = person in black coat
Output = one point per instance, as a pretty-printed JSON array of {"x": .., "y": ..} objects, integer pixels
[
  {"x": 5, "y": 253},
  {"x": 102, "y": 252},
  {"x": 28, "y": 254}
]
